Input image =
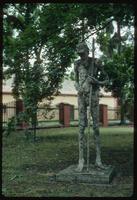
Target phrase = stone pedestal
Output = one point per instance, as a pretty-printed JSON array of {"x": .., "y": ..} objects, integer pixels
[{"x": 93, "y": 175}]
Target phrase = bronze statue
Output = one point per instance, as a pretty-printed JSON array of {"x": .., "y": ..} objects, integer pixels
[{"x": 89, "y": 73}]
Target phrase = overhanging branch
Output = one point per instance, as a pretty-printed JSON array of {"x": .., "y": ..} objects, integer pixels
[{"x": 101, "y": 28}]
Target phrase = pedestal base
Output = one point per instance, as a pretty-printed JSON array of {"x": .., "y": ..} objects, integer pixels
[{"x": 93, "y": 175}]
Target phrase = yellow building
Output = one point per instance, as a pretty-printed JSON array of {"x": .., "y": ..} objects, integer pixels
[
  {"x": 7, "y": 92},
  {"x": 68, "y": 94}
]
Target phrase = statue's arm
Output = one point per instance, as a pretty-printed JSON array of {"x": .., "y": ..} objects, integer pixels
[{"x": 103, "y": 79}]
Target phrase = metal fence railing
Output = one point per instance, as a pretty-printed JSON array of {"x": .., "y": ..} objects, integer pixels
[
  {"x": 52, "y": 118},
  {"x": 9, "y": 110},
  {"x": 113, "y": 114}
]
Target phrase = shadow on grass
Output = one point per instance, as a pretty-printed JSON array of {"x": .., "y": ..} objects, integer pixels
[{"x": 121, "y": 159}]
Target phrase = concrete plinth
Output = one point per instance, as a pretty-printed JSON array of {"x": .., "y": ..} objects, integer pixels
[{"x": 93, "y": 175}]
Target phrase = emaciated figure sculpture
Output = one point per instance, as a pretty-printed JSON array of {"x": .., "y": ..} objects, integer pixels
[{"x": 85, "y": 77}]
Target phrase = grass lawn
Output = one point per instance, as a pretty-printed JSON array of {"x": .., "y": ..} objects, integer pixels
[{"x": 26, "y": 165}]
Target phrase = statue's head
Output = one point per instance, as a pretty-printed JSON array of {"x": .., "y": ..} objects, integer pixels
[{"x": 82, "y": 48}]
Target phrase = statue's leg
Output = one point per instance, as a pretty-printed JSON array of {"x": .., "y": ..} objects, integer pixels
[
  {"x": 96, "y": 133},
  {"x": 82, "y": 125},
  {"x": 81, "y": 149}
]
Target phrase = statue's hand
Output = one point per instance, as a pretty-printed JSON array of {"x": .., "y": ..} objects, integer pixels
[
  {"x": 80, "y": 90},
  {"x": 93, "y": 80}
]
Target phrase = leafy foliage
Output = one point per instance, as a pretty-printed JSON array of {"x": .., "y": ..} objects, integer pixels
[
  {"x": 118, "y": 60},
  {"x": 49, "y": 33},
  {"x": 11, "y": 126}
]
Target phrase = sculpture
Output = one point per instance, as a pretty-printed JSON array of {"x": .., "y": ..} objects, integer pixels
[{"x": 89, "y": 76}]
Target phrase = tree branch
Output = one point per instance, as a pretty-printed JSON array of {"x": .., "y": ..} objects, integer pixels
[
  {"x": 101, "y": 28},
  {"x": 38, "y": 51}
]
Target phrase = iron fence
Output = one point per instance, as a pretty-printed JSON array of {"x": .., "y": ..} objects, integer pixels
[
  {"x": 51, "y": 118},
  {"x": 9, "y": 110},
  {"x": 113, "y": 114}
]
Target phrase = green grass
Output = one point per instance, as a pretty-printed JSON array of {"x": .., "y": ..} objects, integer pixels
[{"x": 27, "y": 165}]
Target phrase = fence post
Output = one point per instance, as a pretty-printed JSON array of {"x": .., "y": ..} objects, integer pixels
[
  {"x": 64, "y": 114},
  {"x": 61, "y": 113},
  {"x": 103, "y": 115}
]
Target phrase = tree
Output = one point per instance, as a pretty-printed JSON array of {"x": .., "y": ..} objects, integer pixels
[
  {"x": 29, "y": 82},
  {"x": 118, "y": 60},
  {"x": 33, "y": 82}
]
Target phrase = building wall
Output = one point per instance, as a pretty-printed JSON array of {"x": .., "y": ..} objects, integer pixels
[
  {"x": 7, "y": 97},
  {"x": 70, "y": 99},
  {"x": 108, "y": 100},
  {"x": 111, "y": 102}
]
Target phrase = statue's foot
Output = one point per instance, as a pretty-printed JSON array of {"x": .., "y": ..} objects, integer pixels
[
  {"x": 99, "y": 165},
  {"x": 80, "y": 165}
]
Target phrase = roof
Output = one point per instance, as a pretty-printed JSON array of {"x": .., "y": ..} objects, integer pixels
[{"x": 67, "y": 87}]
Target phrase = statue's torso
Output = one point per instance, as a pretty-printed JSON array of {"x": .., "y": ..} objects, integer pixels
[
  {"x": 83, "y": 74},
  {"x": 85, "y": 70}
]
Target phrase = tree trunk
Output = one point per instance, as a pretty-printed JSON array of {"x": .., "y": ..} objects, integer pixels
[
  {"x": 34, "y": 123},
  {"x": 122, "y": 112},
  {"x": 119, "y": 36}
]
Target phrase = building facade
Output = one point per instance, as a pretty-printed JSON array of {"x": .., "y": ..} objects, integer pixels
[{"x": 68, "y": 95}]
